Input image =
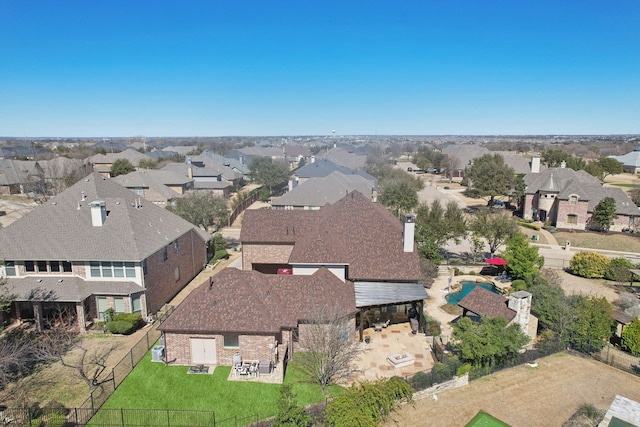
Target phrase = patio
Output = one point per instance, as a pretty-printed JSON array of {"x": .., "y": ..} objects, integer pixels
[{"x": 397, "y": 338}]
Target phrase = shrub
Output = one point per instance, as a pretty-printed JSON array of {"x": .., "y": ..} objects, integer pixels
[
  {"x": 220, "y": 254},
  {"x": 631, "y": 337},
  {"x": 368, "y": 403},
  {"x": 618, "y": 270},
  {"x": 472, "y": 273},
  {"x": 121, "y": 327},
  {"x": 463, "y": 369},
  {"x": 129, "y": 317},
  {"x": 518, "y": 285},
  {"x": 529, "y": 225},
  {"x": 591, "y": 265},
  {"x": 421, "y": 380}
]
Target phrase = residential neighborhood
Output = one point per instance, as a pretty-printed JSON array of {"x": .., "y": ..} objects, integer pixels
[{"x": 325, "y": 251}]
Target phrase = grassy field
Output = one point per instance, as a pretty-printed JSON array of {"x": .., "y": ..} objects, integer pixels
[
  {"x": 604, "y": 241},
  {"x": 156, "y": 386}
]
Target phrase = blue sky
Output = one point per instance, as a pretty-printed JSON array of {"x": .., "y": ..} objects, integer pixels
[{"x": 407, "y": 67}]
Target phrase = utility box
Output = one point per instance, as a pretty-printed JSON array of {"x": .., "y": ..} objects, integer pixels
[
  {"x": 264, "y": 367},
  {"x": 567, "y": 245},
  {"x": 157, "y": 353}
]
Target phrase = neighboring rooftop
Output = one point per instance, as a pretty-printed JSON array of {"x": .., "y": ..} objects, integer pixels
[
  {"x": 61, "y": 228},
  {"x": 317, "y": 192},
  {"x": 486, "y": 303}
]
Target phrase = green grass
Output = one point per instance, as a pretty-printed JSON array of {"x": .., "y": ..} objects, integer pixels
[
  {"x": 482, "y": 419},
  {"x": 153, "y": 385}
]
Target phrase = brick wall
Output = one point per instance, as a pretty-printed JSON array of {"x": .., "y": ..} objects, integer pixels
[
  {"x": 528, "y": 204},
  {"x": 265, "y": 254},
  {"x": 251, "y": 347},
  {"x": 160, "y": 279},
  {"x": 565, "y": 209}
]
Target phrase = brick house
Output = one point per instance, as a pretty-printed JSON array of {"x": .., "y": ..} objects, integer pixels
[
  {"x": 350, "y": 255},
  {"x": 96, "y": 246},
  {"x": 567, "y": 198},
  {"x": 356, "y": 239},
  {"x": 257, "y": 315}
]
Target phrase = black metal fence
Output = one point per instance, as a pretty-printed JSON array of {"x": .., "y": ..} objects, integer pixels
[
  {"x": 120, "y": 371},
  {"x": 38, "y": 417}
]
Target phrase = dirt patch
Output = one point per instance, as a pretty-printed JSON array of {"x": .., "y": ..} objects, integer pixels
[
  {"x": 544, "y": 396},
  {"x": 580, "y": 285}
]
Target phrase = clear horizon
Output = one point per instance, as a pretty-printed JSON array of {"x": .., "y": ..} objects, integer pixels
[{"x": 283, "y": 68}]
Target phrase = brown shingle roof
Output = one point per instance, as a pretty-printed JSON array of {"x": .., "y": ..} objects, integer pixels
[
  {"x": 485, "y": 303},
  {"x": 353, "y": 231},
  {"x": 251, "y": 302}
]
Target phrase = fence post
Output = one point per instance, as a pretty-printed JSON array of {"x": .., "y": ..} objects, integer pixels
[
  {"x": 133, "y": 365},
  {"x": 147, "y": 335},
  {"x": 122, "y": 416},
  {"x": 168, "y": 419}
]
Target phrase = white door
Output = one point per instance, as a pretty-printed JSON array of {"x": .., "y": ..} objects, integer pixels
[{"x": 203, "y": 351}]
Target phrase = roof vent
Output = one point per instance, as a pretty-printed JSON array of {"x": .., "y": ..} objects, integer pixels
[
  {"x": 38, "y": 280},
  {"x": 59, "y": 280}
]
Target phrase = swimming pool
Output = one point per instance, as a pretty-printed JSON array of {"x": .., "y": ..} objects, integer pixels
[{"x": 467, "y": 286}]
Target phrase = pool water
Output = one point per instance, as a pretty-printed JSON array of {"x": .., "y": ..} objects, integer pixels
[{"x": 455, "y": 297}]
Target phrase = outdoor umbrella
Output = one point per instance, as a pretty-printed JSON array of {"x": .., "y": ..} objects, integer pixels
[{"x": 496, "y": 261}]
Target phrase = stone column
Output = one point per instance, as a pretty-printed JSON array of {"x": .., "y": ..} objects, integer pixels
[
  {"x": 82, "y": 324},
  {"x": 38, "y": 315}
]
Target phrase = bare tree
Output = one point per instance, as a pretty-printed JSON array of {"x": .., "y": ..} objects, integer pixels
[
  {"x": 89, "y": 367},
  {"x": 328, "y": 347}
]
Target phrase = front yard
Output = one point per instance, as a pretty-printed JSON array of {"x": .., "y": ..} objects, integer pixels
[{"x": 152, "y": 385}]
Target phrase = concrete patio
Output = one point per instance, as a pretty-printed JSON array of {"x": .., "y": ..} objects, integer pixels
[{"x": 397, "y": 338}]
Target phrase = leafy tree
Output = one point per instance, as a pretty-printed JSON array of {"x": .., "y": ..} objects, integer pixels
[
  {"x": 490, "y": 176},
  {"x": 576, "y": 163},
  {"x": 631, "y": 337},
  {"x": 201, "y": 208},
  {"x": 265, "y": 171},
  {"x": 594, "y": 169},
  {"x": 553, "y": 157},
  {"x": 302, "y": 162},
  {"x": 592, "y": 325},
  {"x": 591, "y": 265},
  {"x": 618, "y": 270},
  {"x": 399, "y": 196},
  {"x": 488, "y": 342},
  {"x": 519, "y": 188},
  {"x": 148, "y": 164},
  {"x": 496, "y": 229},
  {"x": 552, "y": 307},
  {"x": 442, "y": 224},
  {"x": 427, "y": 157},
  {"x": 603, "y": 214},
  {"x": 610, "y": 166},
  {"x": 290, "y": 413},
  {"x": 121, "y": 167},
  {"x": 523, "y": 259}
]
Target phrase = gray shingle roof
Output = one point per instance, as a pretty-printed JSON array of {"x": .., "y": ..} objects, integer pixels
[
  {"x": 130, "y": 154},
  {"x": 344, "y": 158},
  {"x": 318, "y": 192},
  {"x": 248, "y": 301},
  {"x": 70, "y": 289},
  {"x": 17, "y": 171},
  {"x": 61, "y": 228},
  {"x": 156, "y": 180},
  {"x": 568, "y": 182}
]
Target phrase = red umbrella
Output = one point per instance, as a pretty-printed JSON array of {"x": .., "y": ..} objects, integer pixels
[{"x": 496, "y": 261}]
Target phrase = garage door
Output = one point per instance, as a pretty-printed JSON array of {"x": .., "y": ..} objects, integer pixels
[{"x": 203, "y": 351}]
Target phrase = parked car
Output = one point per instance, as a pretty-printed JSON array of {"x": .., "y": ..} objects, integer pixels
[
  {"x": 498, "y": 203},
  {"x": 432, "y": 170}
]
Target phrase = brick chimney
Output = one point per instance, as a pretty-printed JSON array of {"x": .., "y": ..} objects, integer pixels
[
  {"x": 408, "y": 232},
  {"x": 98, "y": 213}
]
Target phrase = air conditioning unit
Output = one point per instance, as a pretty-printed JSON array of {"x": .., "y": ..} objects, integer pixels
[{"x": 157, "y": 353}]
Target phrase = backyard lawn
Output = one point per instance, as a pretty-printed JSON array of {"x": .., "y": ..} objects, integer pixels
[
  {"x": 152, "y": 385},
  {"x": 603, "y": 241}
]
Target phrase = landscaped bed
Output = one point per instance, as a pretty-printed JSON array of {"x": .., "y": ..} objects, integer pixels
[{"x": 156, "y": 386}]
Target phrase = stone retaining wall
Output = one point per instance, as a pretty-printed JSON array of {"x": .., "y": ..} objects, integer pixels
[{"x": 457, "y": 382}]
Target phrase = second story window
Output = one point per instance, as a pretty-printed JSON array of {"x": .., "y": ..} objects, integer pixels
[
  {"x": 29, "y": 266},
  {"x": 10, "y": 268}
]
